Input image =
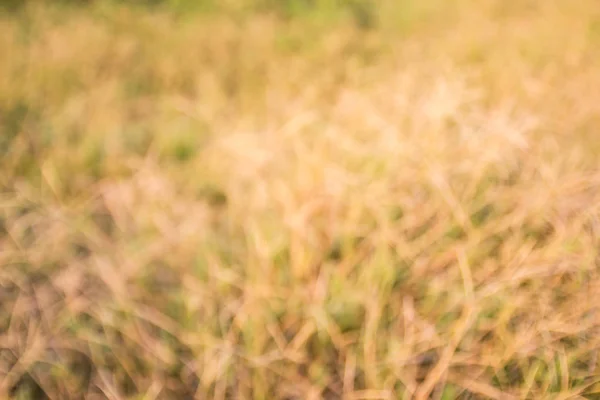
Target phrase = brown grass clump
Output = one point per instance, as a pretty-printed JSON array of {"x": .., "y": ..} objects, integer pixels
[{"x": 242, "y": 205}]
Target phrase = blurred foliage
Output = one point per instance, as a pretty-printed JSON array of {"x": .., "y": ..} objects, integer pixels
[
  {"x": 364, "y": 13},
  {"x": 299, "y": 199}
]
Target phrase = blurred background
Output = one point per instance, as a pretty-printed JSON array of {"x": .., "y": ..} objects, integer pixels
[{"x": 299, "y": 199}]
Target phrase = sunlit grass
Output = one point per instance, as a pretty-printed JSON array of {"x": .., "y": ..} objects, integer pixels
[{"x": 271, "y": 200}]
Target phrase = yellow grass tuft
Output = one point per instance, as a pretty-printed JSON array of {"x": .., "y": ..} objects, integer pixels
[{"x": 249, "y": 204}]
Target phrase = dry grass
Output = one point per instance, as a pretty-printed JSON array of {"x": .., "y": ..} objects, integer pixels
[{"x": 219, "y": 207}]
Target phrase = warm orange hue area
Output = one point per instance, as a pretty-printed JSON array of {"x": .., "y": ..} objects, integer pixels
[{"x": 235, "y": 206}]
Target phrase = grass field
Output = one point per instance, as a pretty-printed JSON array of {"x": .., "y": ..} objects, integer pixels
[{"x": 262, "y": 199}]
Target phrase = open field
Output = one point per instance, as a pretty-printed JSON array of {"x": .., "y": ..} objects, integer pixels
[{"x": 275, "y": 200}]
